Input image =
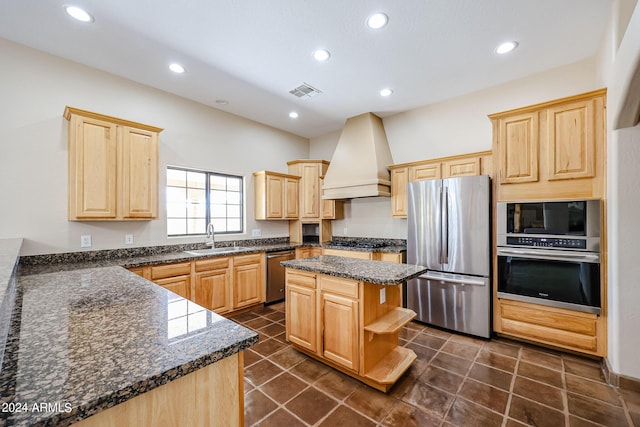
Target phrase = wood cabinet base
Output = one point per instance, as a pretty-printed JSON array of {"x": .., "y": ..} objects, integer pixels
[
  {"x": 350, "y": 325},
  {"x": 382, "y": 378},
  {"x": 211, "y": 396},
  {"x": 556, "y": 327}
]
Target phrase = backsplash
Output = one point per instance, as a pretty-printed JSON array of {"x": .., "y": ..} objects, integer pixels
[{"x": 89, "y": 256}]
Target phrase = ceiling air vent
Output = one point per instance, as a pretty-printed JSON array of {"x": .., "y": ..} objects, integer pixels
[{"x": 305, "y": 90}]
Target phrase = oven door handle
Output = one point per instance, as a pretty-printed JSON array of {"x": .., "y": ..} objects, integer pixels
[{"x": 559, "y": 255}]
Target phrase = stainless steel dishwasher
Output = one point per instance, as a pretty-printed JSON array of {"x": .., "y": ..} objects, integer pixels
[{"x": 275, "y": 275}]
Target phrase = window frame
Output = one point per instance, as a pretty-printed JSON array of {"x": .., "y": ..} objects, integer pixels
[{"x": 208, "y": 211}]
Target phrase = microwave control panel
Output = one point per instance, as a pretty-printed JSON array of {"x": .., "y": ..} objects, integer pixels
[{"x": 549, "y": 242}]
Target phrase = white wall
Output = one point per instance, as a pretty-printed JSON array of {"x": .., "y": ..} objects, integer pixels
[
  {"x": 35, "y": 89},
  {"x": 618, "y": 60},
  {"x": 456, "y": 126}
]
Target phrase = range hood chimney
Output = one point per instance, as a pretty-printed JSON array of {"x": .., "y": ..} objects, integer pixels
[{"x": 359, "y": 164}]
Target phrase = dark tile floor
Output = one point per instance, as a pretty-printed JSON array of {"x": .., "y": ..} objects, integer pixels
[{"x": 456, "y": 381}]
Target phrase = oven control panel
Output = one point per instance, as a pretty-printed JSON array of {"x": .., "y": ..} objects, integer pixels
[{"x": 549, "y": 242}]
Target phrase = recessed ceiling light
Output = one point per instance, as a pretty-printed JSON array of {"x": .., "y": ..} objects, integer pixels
[
  {"x": 377, "y": 21},
  {"x": 386, "y": 92},
  {"x": 222, "y": 102},
  {"x": 321, "y": 55},
  {"x": 79, "y": 14},
  {"x": 506, "y": 47},
  {"x": 176, "y": 68},
  {"x": 293, "y": 115}
]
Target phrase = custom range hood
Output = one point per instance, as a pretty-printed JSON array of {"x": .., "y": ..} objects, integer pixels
[{"x": 359, "y": 164}]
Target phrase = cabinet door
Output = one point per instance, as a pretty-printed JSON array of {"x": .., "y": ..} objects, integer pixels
[
  {"x": 340, "y": 330},
  {"x": 274, "y": 196},
  {"x": 518, "y": 145},
  {"x": 310, "y": 192},
  {"x": 139, "y": 173},
  {"x": 461, "y": 167},
  {"x": 178, "y": 285},
  {"x": 291, "y": 198},
  {"x": 348, "y": 254},
  {"x": 248, "y": 285},
  {"x": 93, "y": 149},
  {"x": 399, "y": 181},
  {"x": 212, "y": 290},
  {"x": 571, "y": 140},
  {"x": 426, "y": 171},
  {"x": 300, "y": 312}
]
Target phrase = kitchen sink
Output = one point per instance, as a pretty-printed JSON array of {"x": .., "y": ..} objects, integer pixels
[{"x": 211, "y": 251}]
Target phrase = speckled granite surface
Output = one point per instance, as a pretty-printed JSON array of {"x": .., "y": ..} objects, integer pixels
[
  {"x": 377, "y": 272},
  {"x": 9, "y": 255},
  {"x": 87, "y": 340},
  {"x": 136, "y": 257},
  {"x": 34, "y": 264}
]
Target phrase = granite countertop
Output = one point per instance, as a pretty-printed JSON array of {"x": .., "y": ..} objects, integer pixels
[
  {"x": 132, "y": 258},
  {"x": 9, "y": 253},
  {"x": 376, "y": 272},
  {"x": 85, "y": 340},
  {"x": 121, "y": 258}
]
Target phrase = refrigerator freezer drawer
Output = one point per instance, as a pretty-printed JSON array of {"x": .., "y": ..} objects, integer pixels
[{"x": 460, "y": 304}]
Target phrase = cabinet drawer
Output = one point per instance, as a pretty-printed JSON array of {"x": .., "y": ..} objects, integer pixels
[
  {"x": 550, "y": 335},
  {"x": 247, "y": 259},
  {"x": 170, "y": 270},
  {"x": 348, "y": 254},
  {"x": 307, "y": 280},
  {"x": 579, "y": 323},
  {"x": 212, "y": 264},
  {"x": 339, "y": 286}
]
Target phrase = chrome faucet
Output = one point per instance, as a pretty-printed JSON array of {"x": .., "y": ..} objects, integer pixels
[{"x": 210, "y": 235}]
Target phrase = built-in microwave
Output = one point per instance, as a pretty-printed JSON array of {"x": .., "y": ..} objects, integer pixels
[
  {"x": 566, "y": 224},
  {"x": 549, "y": 253}
]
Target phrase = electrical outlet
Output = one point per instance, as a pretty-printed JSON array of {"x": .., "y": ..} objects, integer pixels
[
  {"x": 85, "y": 241},
  {"x": 345, "y": 231},
  {"x": 128, "y": 239},
  {"x": 256, "y": 232},
  {"x": 383, "y": 295}
]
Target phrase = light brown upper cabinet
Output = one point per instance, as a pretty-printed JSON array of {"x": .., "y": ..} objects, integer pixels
[
  {"x": 276, "y": 195},
  {"x": 517, "y": 148},
  {"x": 310, "y": 173},
  {"x": 479, "y": 163},
  {"x": 113, "y": 168},
  {"x": 553, "y": 150}
]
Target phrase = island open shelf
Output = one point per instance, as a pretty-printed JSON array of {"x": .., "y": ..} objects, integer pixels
[{"x": 350, "y": 324}]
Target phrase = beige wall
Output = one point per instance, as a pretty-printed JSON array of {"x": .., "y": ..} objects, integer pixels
[
  {"x": 35, "y": 89},
  {"x": 456, "y": 126},
  {"x": 618, "y": 62}
]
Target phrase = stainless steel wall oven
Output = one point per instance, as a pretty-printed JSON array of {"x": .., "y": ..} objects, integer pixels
[{"x": 549, "y": 253}]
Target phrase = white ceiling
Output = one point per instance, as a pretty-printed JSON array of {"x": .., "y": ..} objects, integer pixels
[{"x": 252, "y": 52}]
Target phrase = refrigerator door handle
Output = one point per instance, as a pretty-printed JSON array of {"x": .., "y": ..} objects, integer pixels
[
  {"x": 443, "y": 279},
  {"x": 445, "y": 225}
]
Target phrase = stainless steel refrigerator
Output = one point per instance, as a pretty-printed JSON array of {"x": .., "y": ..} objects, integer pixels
[{"x": 449, "y": 233}]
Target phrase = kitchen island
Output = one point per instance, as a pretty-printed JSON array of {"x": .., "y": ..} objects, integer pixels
[
  {"x": 347, "y": 313},
  {"x": 102, "y": 346}
]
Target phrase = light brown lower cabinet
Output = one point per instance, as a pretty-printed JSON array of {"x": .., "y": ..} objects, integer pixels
[
  {"x": 342, "y": 323},
  {"x": 569, "y": 329},
  {"x": 173, "y": 277},
  {"x": 191, "y": 400},
  {"x": 221, "y": 284},
  {"x": 248, "y": 280},
  {"x": 308, "y": 251},
  {"x": 300, "y": 310},
  {"x": 377, "y": 256},
  {"x": 212, "y": 284}
]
